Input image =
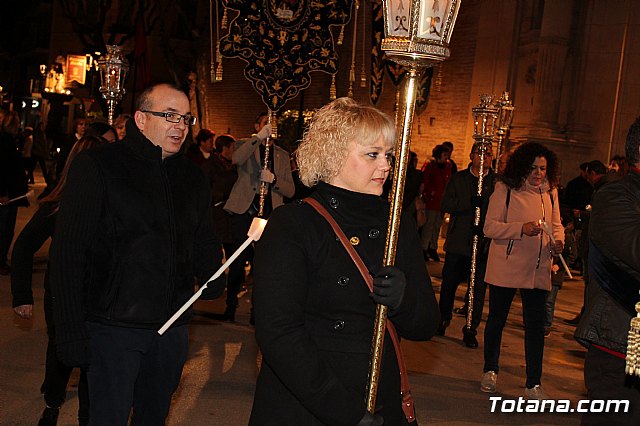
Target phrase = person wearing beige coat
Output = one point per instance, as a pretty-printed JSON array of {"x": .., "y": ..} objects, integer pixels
[{"x": 520, "y": 256}]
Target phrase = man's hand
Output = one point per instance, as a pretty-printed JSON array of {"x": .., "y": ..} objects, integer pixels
[
  {"x": 4, "y": 200},
  {"x": 24, "y": 311},
  {"x": 267, "y": 176},
  {"x": 388, "y": 287},
  {"x": 74, "y": 354},
  {"x": 214, "y": 288},
  {"x": 264, "y": 133}
]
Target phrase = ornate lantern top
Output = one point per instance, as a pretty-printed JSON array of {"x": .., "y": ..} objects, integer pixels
[
  {"x": 113, "y": 68},
  {"x": 417, "y": 32},
  {"x": 484, "y": 119}
]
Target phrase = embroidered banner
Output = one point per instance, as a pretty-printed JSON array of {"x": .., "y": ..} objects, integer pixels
[{"x": 282, "y": 41}]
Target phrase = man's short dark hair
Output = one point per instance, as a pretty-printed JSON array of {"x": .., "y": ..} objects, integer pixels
[
  {"x": 633, "y": 143},
  {"x": 448, "y": 145},
  {"x": 144, "y": 99},
  {"x": 438, "y": 150},
  {"x": 224, "y": 141},
  {"x": 597, "y": 167},
  {"x": 584, "y": 166},
  {"x": 260, "y": 116}
]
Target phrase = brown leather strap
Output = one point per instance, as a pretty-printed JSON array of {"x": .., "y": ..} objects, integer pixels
[{"x": 405, "y": 391}]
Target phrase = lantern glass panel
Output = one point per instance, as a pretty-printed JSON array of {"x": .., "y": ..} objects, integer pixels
[
  {"x": 398, "y": 17},
  {"x": 433, "y": 18}
]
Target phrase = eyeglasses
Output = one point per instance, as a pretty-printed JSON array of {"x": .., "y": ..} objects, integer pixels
[{"x": 173, "y": 117}]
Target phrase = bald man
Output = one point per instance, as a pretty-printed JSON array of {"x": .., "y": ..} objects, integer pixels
[{"x": 133, "y": 230}]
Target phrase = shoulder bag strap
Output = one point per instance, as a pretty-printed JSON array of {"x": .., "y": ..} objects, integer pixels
[{"x": 405, "y": 391}]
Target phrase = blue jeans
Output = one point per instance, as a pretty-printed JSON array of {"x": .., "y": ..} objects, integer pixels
[
  {"x": 134, "y": 367},
  {"x": 534, "y": 313}
]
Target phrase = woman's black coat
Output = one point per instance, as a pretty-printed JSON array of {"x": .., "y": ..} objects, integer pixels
[{"x": 314, "y": 316}]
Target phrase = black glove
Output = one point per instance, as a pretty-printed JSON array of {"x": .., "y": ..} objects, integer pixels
[
  {"x": 75, "y": 353},
  {"x": 214, "y": 288},
  {"x": 476, "y": 201},
  {"x": 371, "y": 420},
  {"x": 388, "y": 287}
]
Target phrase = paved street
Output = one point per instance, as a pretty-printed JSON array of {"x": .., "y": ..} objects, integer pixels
[{"x": 218, "y": 379}]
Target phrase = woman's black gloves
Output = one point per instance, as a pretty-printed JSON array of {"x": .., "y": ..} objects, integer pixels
[{"x": 388, "y": 287}]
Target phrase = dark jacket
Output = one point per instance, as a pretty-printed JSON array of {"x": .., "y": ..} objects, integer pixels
[
  {"x": 614, "y": 234},
  {"x": 458, "y": 202},
  {"x": 314, "y": 315},
  {"x": 132, "y": 232},
  {"x": 222, "y": 175},
  {"x": 35, "y": 233}
]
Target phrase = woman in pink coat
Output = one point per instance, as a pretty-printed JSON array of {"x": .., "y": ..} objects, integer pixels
[{"x": 520, "y": 256}]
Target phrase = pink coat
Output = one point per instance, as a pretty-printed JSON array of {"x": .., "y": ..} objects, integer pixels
[{"x": 518, "y": 269}]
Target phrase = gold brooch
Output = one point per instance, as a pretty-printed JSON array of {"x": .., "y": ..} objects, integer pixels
[{"x": 354, "y": 241}]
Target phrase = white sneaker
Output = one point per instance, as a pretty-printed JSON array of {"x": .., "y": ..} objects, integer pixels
[
  {"x": 488, "y": 382},
  {"x": 536, "y": 392}
]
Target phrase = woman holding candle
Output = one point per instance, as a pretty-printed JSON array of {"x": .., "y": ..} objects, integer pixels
[{"x": 520, "y": 256}]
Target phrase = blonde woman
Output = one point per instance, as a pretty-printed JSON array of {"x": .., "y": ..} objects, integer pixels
[{"x": 314, "y": 313}]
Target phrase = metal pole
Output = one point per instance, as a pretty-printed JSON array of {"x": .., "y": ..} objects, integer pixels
[{"x": 399, "y": 175}]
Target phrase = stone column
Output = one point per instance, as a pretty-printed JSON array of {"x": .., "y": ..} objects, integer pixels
[{"x": 552, "y": 54}]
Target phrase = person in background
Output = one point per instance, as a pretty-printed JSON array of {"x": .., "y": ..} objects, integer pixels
[
  {"x": 244, "y": 201},
  {"x": 520, "y": 257},
  {"x": 597, "y": 177},
  {"x": 133, "y": 236},
  {"x": 435, "y": 176},
  {"x": 79, "y": 127},
  {"x": 449, "y": 146},
  {"x": 13, "y": 183},
  {"x": 102, "y": 130},
  {"x": 314, "y": 310},
  {"x": 120, "y": 124},
  {"x": 27, "y": 156},
  {"x": 612, "y": 292},
  {"x": 40, "y": 150},
  {"x": 200, "y": 151},
  {"x": 460, "y": 201},
  {"x": 619, "y": 165},
  {"x": 222, "y": 174},
  {"x": 35, "y": 233}
]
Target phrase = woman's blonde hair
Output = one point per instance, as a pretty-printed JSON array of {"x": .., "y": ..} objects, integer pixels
[{"x": 325, "y": 144}]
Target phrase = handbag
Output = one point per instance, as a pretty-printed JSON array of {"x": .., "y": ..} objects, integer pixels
[{"x": 405, "y": 391}]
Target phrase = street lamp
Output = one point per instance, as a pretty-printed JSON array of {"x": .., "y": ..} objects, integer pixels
[
  {"x": 417, "y": 35},
  {"x": 113, "y": 68}
]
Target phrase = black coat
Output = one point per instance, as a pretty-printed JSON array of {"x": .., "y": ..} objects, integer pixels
[
  {"x": 314, "y": 316},
  {"x": 132, "y": 232},
  {"x": 457, "y": 201},
  {"x": 614, "y": 265}
]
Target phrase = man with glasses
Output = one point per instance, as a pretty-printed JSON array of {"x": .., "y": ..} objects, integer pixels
[{"x": 133, "y": 230}]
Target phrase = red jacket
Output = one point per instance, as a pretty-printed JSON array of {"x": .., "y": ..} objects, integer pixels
[{"x": 434, "y": 180}]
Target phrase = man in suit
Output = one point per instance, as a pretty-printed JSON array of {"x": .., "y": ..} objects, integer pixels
[{"x": 244, "y": 200}]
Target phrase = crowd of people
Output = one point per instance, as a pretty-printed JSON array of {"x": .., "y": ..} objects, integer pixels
[{"x": 139, "y": 220}]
